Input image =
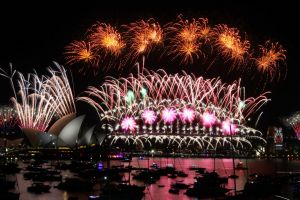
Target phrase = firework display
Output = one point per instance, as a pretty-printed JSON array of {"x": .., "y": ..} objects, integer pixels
[
  {"x": 106, "y": 38},
  {"x": 185, "y": 41},
  {"x": 271, "y": 60},
  {"x": 33, "y": 108},
  {"x": 81, "y": 51},
  {"x": 185, "y": 38},
  {"x": 59, "y": 91},
  {"x": 39, "y": 99},
  {"x": 229, "y": 43},
  {"x": 162, "y": 107},
  {"x": 294, "y": 122},
  {"x": 142, "y": 36},
  {"x": 156, "y": 106}
]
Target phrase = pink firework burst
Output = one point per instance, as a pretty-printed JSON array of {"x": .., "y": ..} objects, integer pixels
[
  {"x": 187, "y": 115},
  {"x": 128, "y": 124},
  {"x": 208, "y": 119},
  {"x": 149, "y": 116},
  {"x": 296, "y": 128},
  {"x": 168, "y": 115},
  {"x": 228, "y": 128}
]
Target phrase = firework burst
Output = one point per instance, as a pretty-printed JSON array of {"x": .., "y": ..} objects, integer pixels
[
  {"x": 294, "y": 122},
  {"x": 206, "y": 32},
  {"x": 59, "y": 91},
  {"x": 81, "y": 52},
  {"x": 270, "y": 59},
  {"x": 32, "y": 105},
  {"x": 39, "y": 99},
  {"x": 106, "y": 38},
  {"x": 230, "y": 44},
  {"x": 185, "y": 41},
  {"x": 142, "y": 37},
  {"x": 184, "y": 38},
  {"x": 178, "y": 108},
  {"x": 187, "y": 115},
  {"x": 128, "y": 124},
  {"x": 208, "y": 119},
  {"x": 149, "y": 116}
]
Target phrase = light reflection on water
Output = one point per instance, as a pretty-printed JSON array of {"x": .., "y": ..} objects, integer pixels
[{"x": 222, "y": 166}]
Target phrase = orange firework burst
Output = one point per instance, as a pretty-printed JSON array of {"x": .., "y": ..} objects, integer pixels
[
  {"x": 268, "y": 62},
  {"x": 205, "y": 30},
  {"x": 143, "y": 36},
  {"x": 185, "y": 38},
  {"x": 186, "y": 41},
  {"x": 106, "y": 38},
  {"x": 187, "y": 51},
  {"x": 80, "y": 52},
  {"x": 230, "y": 44}
]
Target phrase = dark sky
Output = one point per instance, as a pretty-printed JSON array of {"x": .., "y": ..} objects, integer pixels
[{"x": 32, "y": 36}]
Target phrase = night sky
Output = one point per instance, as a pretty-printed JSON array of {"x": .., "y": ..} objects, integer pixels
[{"x": 32, "y": 36}]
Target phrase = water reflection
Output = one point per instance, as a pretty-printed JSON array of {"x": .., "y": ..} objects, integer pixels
[{"x": 156, "y": 191}]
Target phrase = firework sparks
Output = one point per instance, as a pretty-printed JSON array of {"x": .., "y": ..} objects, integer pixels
[
  {"x": 128, "y": 124},
  {"x": 268, "y": 62},
  {"x": 184, "y": 41},
  {"x": 187, "y": 115},
  {"x": 142, "y": 37},
  {"x": 57, "y": 87},
  {"x": 149, "y": 116},
  {"x": 228, "y": 128},
  {"x": 208, "y": 119},
  {"x": 296, "y": 128},
  {"x": 33, "y": 108},
  {"x": 205, "y": 30},
  {"x": 106, "y": 38},
  {"x": 168, "y": 115},
  {"x": 81, "y": 52},
  {"x": 39, "y": 99},
  {"x": 229, "y": 43},
  {"x": 172, "y": 97},
  {"x": 294, "y": 122}
]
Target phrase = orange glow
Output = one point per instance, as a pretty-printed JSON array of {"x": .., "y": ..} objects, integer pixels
[
  {"x": 142, "y": 47},
  {"x": 80, "y": 51},
  {"x": 189, "y": 33},
  {"x": 230, "y": 44},
  {"x": 155, "y": 35},
  {"x": 107, "y": 38},
  {"x": 187, "y": 50},
  {"x": 185, "y": 41},
  {"x": 143, "y": 36},
  {"x": 185, "y": 38},
  {"x": 205, "y": 31},
  {"x": 271, "y": 54}
]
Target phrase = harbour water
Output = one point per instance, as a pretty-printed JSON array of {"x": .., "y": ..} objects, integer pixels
[{"x": 159, "y": 190}]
